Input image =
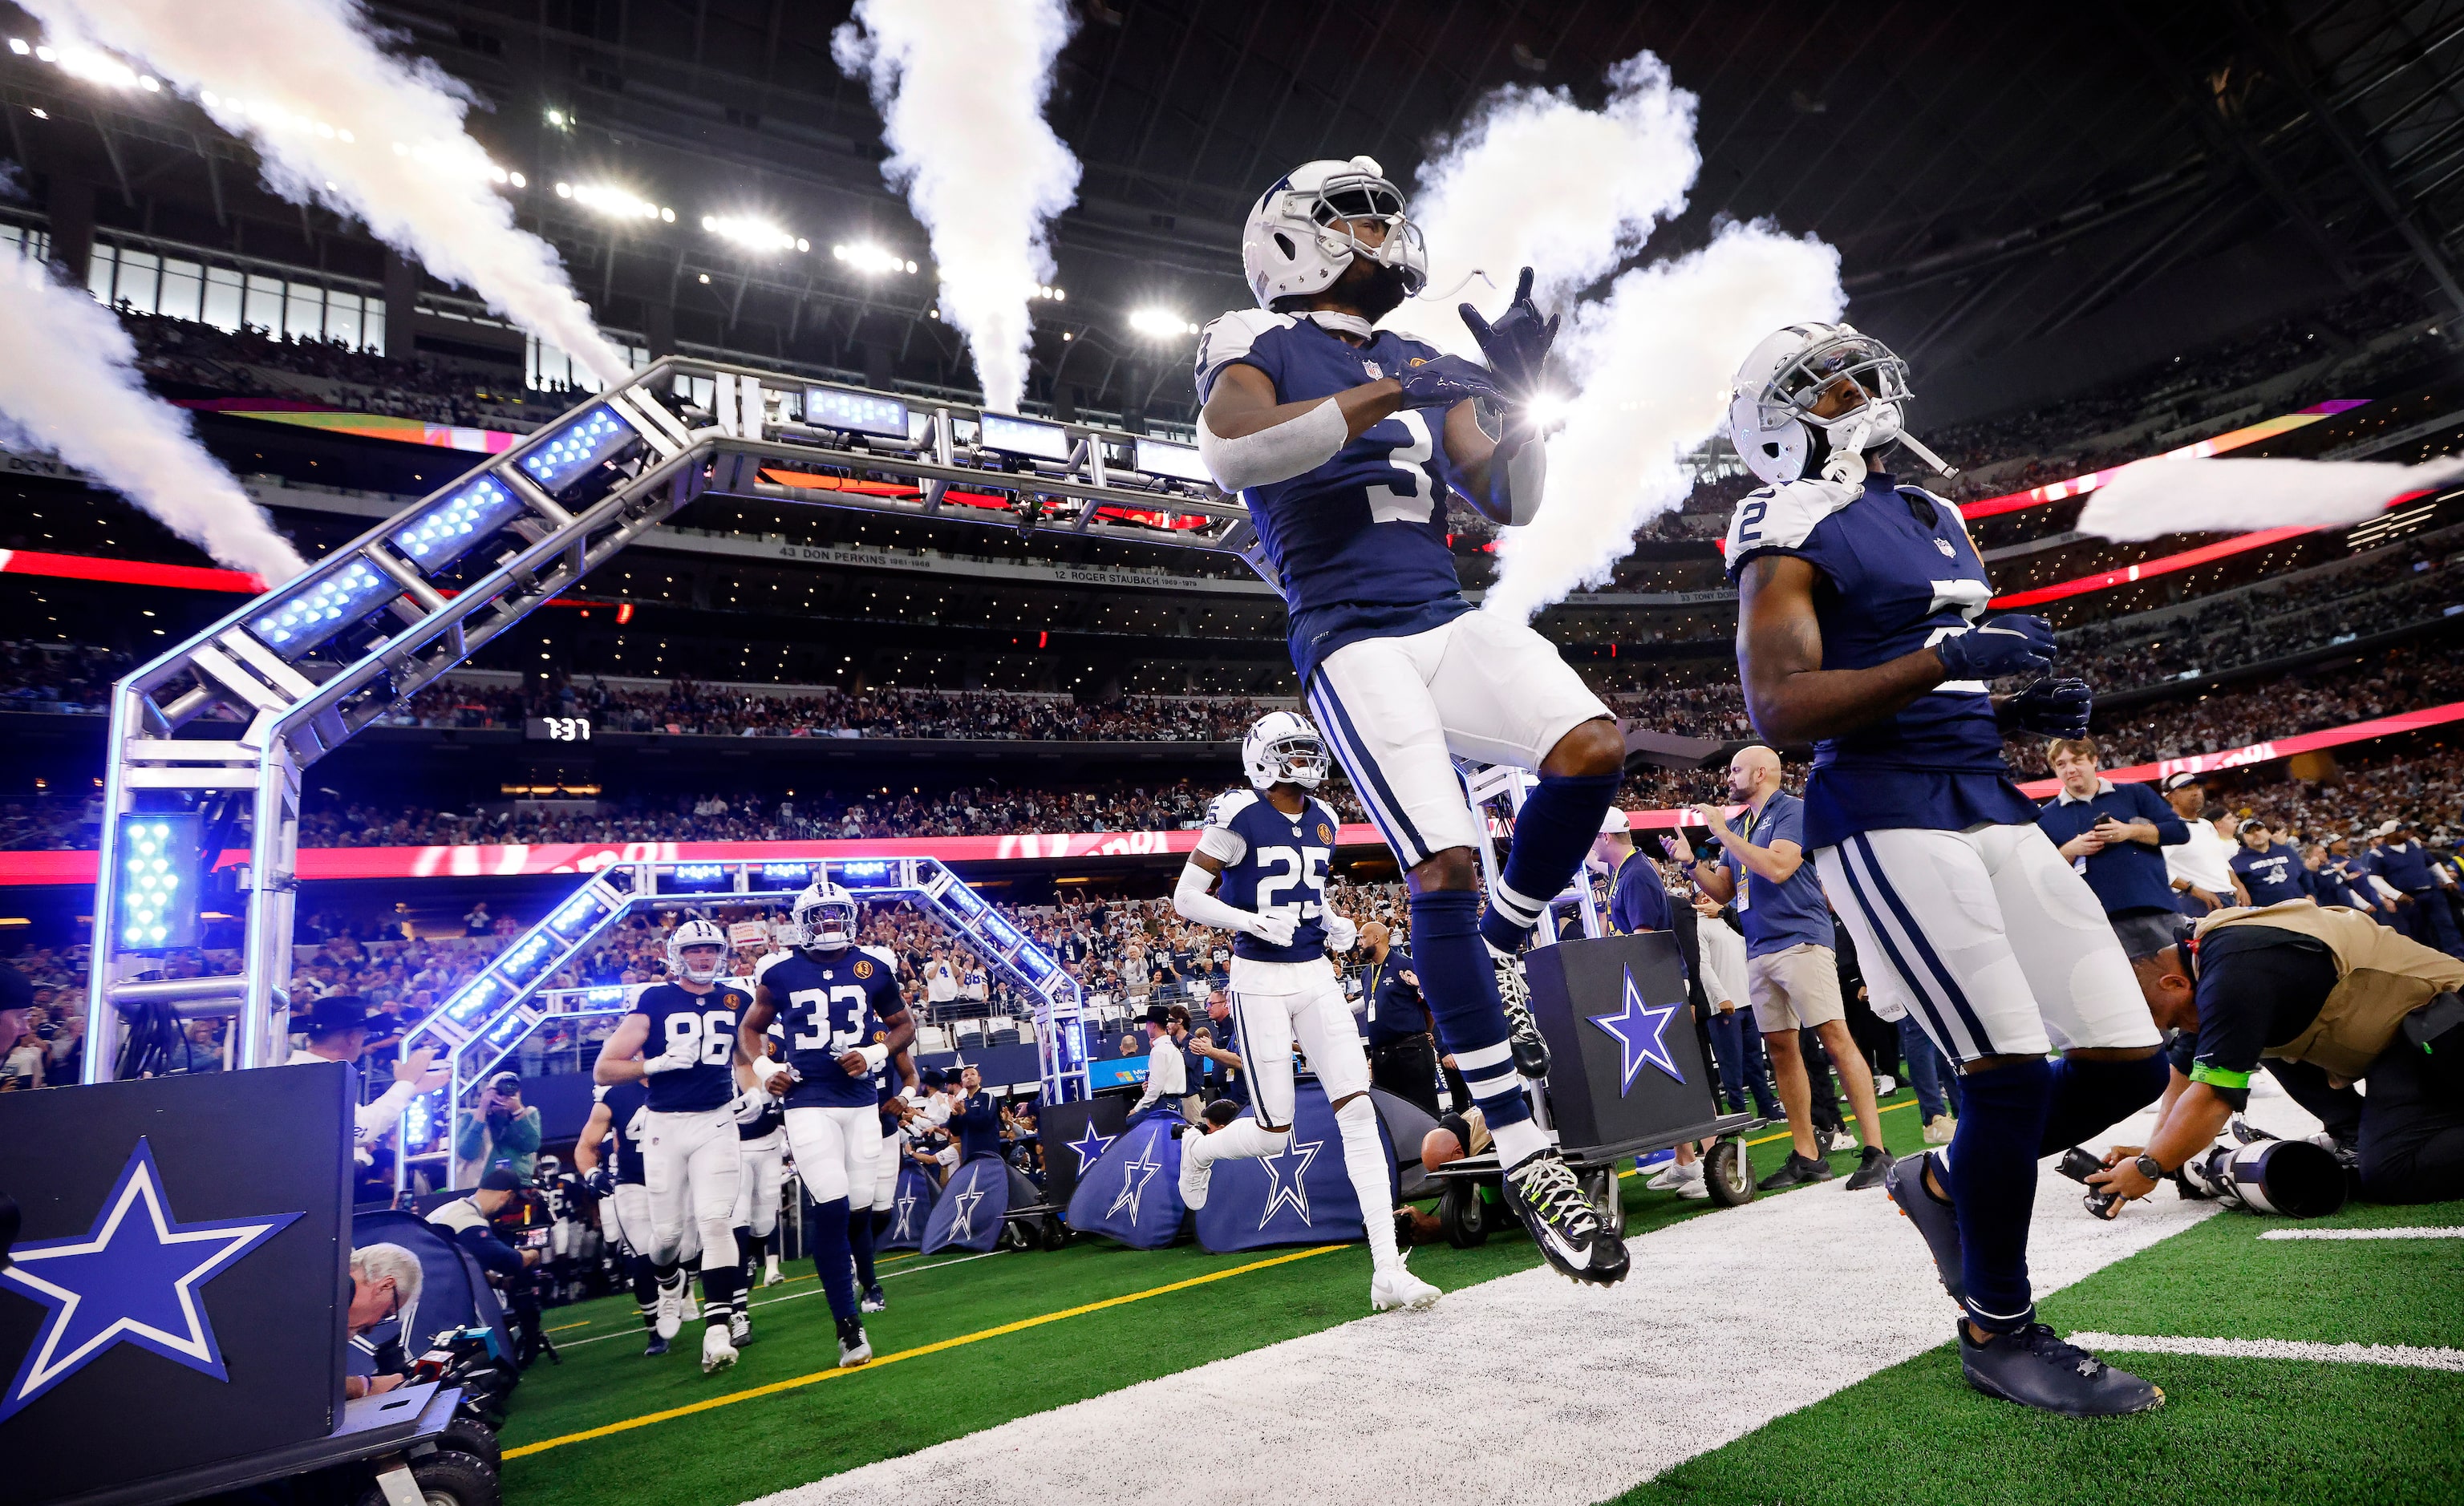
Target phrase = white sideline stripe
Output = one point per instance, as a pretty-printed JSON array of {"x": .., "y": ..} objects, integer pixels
[
  {"x": 770, "y": 1302},
  {"x": 2457, "y": 1232},
  {"x": 2412, "y": 1356},
  {"x": 1549, "y": 1378}
]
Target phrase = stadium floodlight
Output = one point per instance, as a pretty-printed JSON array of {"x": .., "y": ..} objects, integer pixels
[
  {"x": 580, "y": 446},
  {"x": 1053, "y": 294},
  {"x": 1548, "y": 409},
  {"x": 856, "y": 412},
  {"x": 162, "y": 879},
  {"x": 1159, "y": 457},
  {"x": 617, "y": 204},
  {"x": 756, "y": 234},
  {"x": 867, "y": 257},
  {"x": 93, "y": 66},
  {"x": 1024, "y": 437},
  {"x": 1161, "y": 324},
  {"x": 303, "y": 617},
  {"x": 449, "y": 529}
]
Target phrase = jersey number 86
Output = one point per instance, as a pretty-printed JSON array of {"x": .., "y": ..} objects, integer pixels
[{"x": 710, "y": 1035}]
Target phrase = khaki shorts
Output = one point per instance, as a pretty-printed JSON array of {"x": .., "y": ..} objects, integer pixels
[{"x": 1794, "y": 989}]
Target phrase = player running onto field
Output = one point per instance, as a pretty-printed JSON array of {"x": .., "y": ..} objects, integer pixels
[
  {"x": 1860, "y": 629},
  {"x": 1269, "y": 846},
  {"x": 680, "y": 1040},
  {"x": 1345, "y": 442}
]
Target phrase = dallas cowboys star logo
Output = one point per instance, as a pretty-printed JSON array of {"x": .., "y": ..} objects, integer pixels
[
  {"x": 1089, "y": 1147},
  {"x": 963, "y": 1227},
  {"x": 1285, "y": 1186},
  {"x": 127, "y": 1280},
  {"x": 1638, "y": 1029},
  {"x": 1135, "y": 1174},
  {"x": 906, "y": 1226}
]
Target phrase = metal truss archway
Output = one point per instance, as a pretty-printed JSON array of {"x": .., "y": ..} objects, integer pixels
[{"x": 233, "y": 717}]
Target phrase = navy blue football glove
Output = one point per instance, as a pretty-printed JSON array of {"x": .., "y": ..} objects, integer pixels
[
  {"x": 602, "y": 1182},
  {"x": 2052, "y": 708},
  {"x": 2016, "y": 644},
  {"x": 1440, "y": 382},
  {"x": 1517, "y": 345}
]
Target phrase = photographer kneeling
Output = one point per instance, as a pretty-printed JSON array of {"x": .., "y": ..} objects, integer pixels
[{"x": 2296, "y": 982}]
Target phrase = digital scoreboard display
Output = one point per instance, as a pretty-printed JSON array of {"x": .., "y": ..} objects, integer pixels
[{"x": 558, "y": 728}]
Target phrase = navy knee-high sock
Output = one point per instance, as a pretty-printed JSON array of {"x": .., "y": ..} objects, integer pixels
[
  {"x": 859, "y": 1245},
  {"x": 1462, "y": 990},
  {"x": 832, "y": 1261},
  {"x": 1554, "y": 829},
  {"x": 646, "y": 1290},
  {"x": 1993, "y": 1189},
  {"x": 2090, "y": 1096}
]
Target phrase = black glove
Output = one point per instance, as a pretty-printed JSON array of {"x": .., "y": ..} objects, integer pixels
[
  {"x": 1440, "y": 382},
  {"x": 601, "y": 1183},
  {"x": 2015, "y": 644},
  {"x": 1517, "y": 345},
  {"x": 2054, "y": 707}
]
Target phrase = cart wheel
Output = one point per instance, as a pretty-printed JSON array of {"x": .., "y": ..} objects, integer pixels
[
  {"x": 1461, "y": 1214},
  {"x": 446, "y": 1477},
  {"x": 1729, "y": 1173},
  {"x": 1056, "y": 1233},
  {"x": 476, "y": 1438},
  {"x": 1607, "y": 1193}
]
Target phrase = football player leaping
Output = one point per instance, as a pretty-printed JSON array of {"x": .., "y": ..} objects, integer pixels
[
  {"x": 1344, "y": 442},
  {"x": 1269, "y": 846},
  {"x": 680, "y": 1040},
  {"x": 826, "y": 993},
  {"x": 1860, "y": 629}
]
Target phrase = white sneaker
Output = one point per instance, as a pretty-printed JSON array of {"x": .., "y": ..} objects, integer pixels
[
  {"x": 717, "y": 1353},
  {"x": 1668, "y": 1177},
  {"x": 1939, "y": 1129},
  {"x": 1885, "y": 1084},
  {"x": 771, "y": 1274},
  {"x": 1396, "y": 1286},
  {"x": 1196, "y": 1172},
  {"x": 1694, "y": 1187},
  {"x": 740, "y": 1330},
  {"x": 1840, "y": 1140},
  {"x": 672, "y": 1307}
]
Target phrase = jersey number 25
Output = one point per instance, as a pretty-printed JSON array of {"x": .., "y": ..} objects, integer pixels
[
  {"x": 833, "y": 1022},
  {"x": 1302, "y": 868}
]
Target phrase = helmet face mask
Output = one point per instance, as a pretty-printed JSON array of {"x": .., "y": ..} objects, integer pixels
[
  {"x": 826, "y": 916},
  {"x": 1282, "y": 748},
  {"x": 696, "y": 935},
  {"x": 1303, "y": 232},
  {"x": 1807, "y": 381}
]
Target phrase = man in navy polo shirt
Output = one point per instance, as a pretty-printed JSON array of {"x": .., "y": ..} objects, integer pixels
[
  {"x": 2111, "y": 833},
  {"x": 1638, "y": 898},
  {"x": 2424, "y": 914},
  {"x": 2270, "y": 870},
  {"x": 1791, "y": 968}
]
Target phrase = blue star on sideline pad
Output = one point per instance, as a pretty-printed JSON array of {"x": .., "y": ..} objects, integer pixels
[
  {"x": 1089, "y": 1147},
  {"x": 1637, "y": 1027},
  {"x": 132, "y": 1279}
]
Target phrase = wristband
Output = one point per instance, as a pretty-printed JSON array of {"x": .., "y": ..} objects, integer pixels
[{"x": 875, "y": 1056}]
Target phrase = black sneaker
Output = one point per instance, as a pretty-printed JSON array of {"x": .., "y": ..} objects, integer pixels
[
  {"x": 1904, "y": 1185},
  {"x": 1794, "y": 1169},
  {"x": 1562, "y": 1221},
  {"x": 1522, "y": 1031},
  {"x": 854, "y": 1348},
  {"x": 873, "y": 1299},
  {"x": 2035, "y": 1368},
  {"x": 1871, "y": 1168}
]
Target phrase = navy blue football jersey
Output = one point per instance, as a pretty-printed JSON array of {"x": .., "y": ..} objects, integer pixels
[
  {"x": 626, "y": 1103},
  {"x": 1896, "y": 573},
  {"x": 1358, "y": 544},
  {"x": 707, "y": 1021},
  {"x": 832, "y": 1003},
  {"x": 1272, "y": 862}
]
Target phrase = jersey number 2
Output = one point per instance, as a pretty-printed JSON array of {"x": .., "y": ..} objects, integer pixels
[
  {"x": 833, "y": 1029},
  {"x": 1410, "y": 503}
]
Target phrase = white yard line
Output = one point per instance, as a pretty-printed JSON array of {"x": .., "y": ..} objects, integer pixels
[
  {"x": 2408, "y": 1356},
  {"x": 772, "y": 1301},
  {"x": 2364, "y": 1233},
  {"x": 1539, "y": 1392}
]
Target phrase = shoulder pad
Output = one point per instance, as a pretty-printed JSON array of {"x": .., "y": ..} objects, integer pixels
[
  {"x": 1229, "y": 804},
  {"x": 1780, "y": 518},
  {"x": 1327, "y": 812},
  {"x": 761, "y": 965},
  {"x": 599, "y": 1093},
  {"x": 883, "y": 955},
  {"x": 1229, "y": 338}
]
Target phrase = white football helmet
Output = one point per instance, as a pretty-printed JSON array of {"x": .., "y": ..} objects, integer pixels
[
  {"x": 696, "y": 932},
  {"x": 1282, "y": 748},
  {"x": 1770, "y": 410},
  {"x": 1290, "y": 244},
  {"x": 827, "y": 915}
]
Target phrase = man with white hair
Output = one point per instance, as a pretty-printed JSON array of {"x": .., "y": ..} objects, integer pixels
[{"x": 384, "y": 1285}]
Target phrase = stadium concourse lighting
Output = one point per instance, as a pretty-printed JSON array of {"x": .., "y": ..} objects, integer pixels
[
  {"x": 866, "y": 257},
  {"x": 1161, "y": 324},
  {"x": 615, "y": 202},
  {"x": 754, "y": 233}
]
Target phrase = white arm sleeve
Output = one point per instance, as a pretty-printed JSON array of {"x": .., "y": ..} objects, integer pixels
[
  {"x": 373, "y": 1121},
  {"x": 1526, "y": 477},
  {"x": 1191, "y": 902},
  {"x": 1276, "y": 453}
]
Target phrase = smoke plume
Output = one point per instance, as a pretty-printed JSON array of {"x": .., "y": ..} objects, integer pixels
[
  {"x": 339, "y": 122},
  {"x": 2159, "y": 497},
  {"x": 1533, "y": 179},
  {"x": 70, "y": 389},
  {"x": 960, "y": 88}
]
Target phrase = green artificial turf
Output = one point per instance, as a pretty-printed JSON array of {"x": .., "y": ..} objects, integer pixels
[
  {"x": 2231, "y": 1430},
  {"x": 736, "y": 1452}
]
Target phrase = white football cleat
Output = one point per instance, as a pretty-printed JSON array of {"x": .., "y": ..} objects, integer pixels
[
  {"x": 1396, "y": 1286},
  {"x": 854, "y": 1348},
  {"x": 672, "y": 1307},
  {"x": 717, "y": 1353},
  {"x": 1195, "y": 1175},
  {"x": 771, "y": 1274},
  {"x": 740, "y": 1330}
]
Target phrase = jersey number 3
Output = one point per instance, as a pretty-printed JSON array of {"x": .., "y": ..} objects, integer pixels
[
  {"x": 834, "y": 1023},
  {"x": 1408, "y": 503}
]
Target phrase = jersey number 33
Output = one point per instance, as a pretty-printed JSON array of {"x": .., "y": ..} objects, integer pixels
[{"x": 831, "y": 1020}]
